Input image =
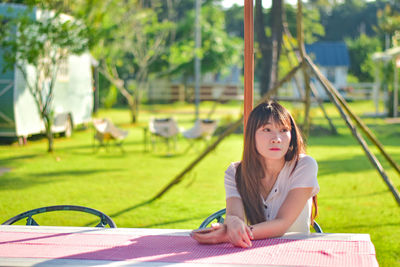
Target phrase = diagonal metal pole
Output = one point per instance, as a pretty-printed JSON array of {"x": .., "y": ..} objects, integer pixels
[
  {"x": 312, "y": 87},
  {"x": 331, "y": 91},
  {"x": 364, "y": 127}
]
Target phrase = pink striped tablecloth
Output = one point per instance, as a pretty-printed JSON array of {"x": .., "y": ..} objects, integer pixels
[{"x": 183, "y": 249}]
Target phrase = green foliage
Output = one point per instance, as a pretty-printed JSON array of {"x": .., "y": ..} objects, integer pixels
[
  {"x": 389, "y": 23},
  {"x": 234, "y": 21},
  {"x": 218, "y": 49},
  {"x": 313, "y": 29},
  {"x": 111, "y": 97},
  {"x": 360, "y": 52},
  {"x": 352, "y": 79},
  {"x": 30, "y": 40},
  {"x": 42, "y": 39},
  {"x": 349, "y": 19}
]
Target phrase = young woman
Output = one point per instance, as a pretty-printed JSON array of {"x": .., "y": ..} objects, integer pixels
[{"x": 272, "y": 190}]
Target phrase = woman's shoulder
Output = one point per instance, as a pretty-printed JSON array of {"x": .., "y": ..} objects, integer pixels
[
  {"x": 307, "y": 160},
  {"x": 305, "y": 163},
  {"x": 232, "y": 168}
]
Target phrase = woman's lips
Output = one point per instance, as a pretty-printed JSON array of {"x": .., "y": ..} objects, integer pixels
[{"x": 275, "y": 149}]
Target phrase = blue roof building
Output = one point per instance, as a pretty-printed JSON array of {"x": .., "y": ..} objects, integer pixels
[
  {"x": 329, "y": 54},
  {"x": 332, "y": 58}
]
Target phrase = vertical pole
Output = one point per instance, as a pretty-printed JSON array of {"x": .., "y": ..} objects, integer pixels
[
  {"x": 96, "y": 89},
  {"x": 197, "y": 62},
  {"x": 248, "y": 60},
  {"x": 375, "y": 92},
  {"x": 396, "y": 87}
]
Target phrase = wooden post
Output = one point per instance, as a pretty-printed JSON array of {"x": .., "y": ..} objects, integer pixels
[{"x": 248, "y": 60}]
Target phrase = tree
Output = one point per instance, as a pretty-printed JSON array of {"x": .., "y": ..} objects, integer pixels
[
  {"x": 350, "y": 19},
  {"x": 42, "y": 43},
  {"x": 128, "y": 37},
  {"x": 360, "y": 52},
  {"x": 269, "y": 45},
  {"x": 389, "y": 25},
  {"x": 218, "y": 49},
  {"x": 141, "y": 40}
]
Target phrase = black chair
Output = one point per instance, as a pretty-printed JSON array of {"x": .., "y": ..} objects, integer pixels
[
  {"x": 218, "y": 216},
  {"x": 104, "y": 219}
]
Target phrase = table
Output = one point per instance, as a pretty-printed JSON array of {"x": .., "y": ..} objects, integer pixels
[{"x": 84, "y": 246}]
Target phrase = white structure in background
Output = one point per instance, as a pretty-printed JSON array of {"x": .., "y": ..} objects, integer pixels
[
  {"x": 73, "y": 91},
  {"x": 392, "y": 54}
]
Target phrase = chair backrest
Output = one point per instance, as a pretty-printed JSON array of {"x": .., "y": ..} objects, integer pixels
[
  {"x": 167, "y": 127},
  {"x": 114, "y": 131},
  {"x": 201, "y": 129},
  {"x": 218, "y": 216},
  {"x": 104, "y": 219},
  {"x": 100, "y": 125},
  {"x": 104, "y": 127},
  {"x": 209, "y": 127}
]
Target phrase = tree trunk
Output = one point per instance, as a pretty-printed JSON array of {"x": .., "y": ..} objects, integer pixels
[
  {"x": 270, "y": 47},
  {"x": 277, "y": 12},
  {"x": 133, "y": 110},
  {"x": 49, "y": 134}
]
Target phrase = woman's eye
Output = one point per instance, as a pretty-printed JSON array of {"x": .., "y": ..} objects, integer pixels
[
  {"x": 266, "y": 130},
  {"x": 285, "y": 130}
]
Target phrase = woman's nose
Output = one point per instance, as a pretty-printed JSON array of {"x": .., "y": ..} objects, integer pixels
[{"x": 276, "y": 139}]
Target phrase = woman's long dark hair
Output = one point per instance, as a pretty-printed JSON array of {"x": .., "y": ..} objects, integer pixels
[{"x": 250, "y": 171}]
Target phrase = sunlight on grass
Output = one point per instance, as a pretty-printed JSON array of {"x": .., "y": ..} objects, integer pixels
[{"x": 353, "y": 196}]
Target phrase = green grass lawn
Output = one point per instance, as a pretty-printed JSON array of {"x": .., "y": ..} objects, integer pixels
[{"x": 353, "y": 197}]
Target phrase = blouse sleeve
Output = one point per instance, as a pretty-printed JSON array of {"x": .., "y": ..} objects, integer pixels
[
  {"x": 230, "y": 182},
  {"x": 305, "y": 174}
]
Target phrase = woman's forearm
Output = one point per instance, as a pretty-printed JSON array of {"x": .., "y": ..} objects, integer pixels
[{"x": 269, "y": 229}]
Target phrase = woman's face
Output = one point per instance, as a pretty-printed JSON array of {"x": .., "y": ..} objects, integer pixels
[{"x": 272, "y": 140}]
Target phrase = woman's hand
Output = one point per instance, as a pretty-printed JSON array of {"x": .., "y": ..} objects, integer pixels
[
  {"x": 216, "y": 235},
  {"x": 239, "y": 234}
]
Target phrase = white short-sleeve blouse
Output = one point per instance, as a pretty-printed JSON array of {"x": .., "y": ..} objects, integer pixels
[{"x": 305, "y": 175}]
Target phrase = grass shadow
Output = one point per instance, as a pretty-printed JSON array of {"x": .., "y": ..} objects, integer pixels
[
  {"x": 11, "y": 182},
  {"x": 72, "y": 172},
  {"x": 354, "y": 164},
  {"x": 118, "y": 213},
  {"x": 357, "y": 196}
]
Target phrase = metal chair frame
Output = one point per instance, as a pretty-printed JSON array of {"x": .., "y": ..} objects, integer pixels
[
  {"x": 203, "y": 129},
  {"x": 166, "y": 129},
  {"x": 218, "y": 215},
  {"x": 104, "y": 219},
  {"x": 106, "y": 132}
]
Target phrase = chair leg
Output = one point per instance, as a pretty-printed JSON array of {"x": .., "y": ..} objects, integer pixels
[
  {"x": 153, "y": 140},
  {"x": 190, "y": 145},
  {"x": 119, "y": 144}
]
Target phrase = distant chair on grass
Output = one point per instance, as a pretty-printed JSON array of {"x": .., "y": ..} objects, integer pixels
[
  {"x": 166, "y": 129},
  {"x": 202, "y": 130},
  {"x": 107, "y": 132}
]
